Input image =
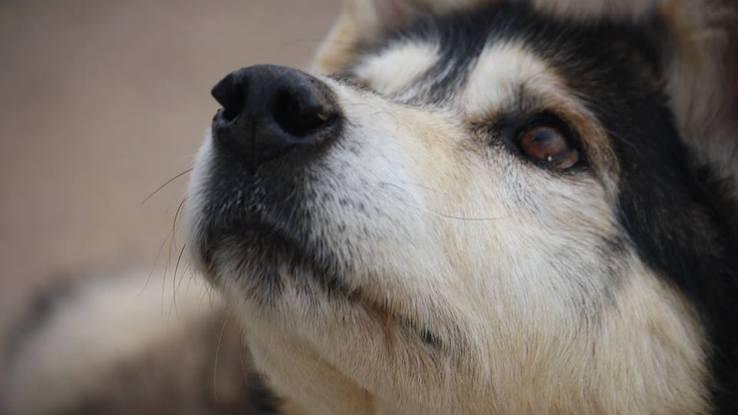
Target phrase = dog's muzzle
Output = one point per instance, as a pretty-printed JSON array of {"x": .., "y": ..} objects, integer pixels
[
  {"x": 255, "y": 178},
  {"x": 271, "y": 111}
]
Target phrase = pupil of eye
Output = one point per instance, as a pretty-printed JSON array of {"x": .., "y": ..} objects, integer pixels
[
  {"x": 547, "y": 144},
  {"x": 549, "y": 140},
  {"x": 543, "y": 134}
]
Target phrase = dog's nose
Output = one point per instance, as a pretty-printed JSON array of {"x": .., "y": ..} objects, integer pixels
[{"x": 269, "y": 110}]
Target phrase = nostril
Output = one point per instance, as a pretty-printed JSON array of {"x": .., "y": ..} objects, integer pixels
[
  {"x": 270, "y": 111},
  {"x": 300, "y": 113},
  {"x": 231, "y": 94}
]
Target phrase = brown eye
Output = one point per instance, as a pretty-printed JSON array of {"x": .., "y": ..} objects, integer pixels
[{"x": 548, "y": 145}]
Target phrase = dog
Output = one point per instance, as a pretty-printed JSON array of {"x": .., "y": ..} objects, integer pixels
[{"x": 474, "y": 207}]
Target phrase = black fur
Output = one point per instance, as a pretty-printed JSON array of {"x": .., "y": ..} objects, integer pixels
[
  {"x": 677, "y": 215},
  {"x": 674, "y": 214},
  {"x": 262, "y": 400}
]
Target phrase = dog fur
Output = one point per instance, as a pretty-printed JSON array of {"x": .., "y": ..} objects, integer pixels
[{"x": 422, "y": 265}]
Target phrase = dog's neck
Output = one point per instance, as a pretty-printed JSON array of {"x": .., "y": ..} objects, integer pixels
[
  {"x": 302, "y": 376},
  {"x": 308, "y": 383}
]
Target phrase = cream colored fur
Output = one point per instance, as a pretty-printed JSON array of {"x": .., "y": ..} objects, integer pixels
[
  {"x": 704, "y": 76},
  {"x": 515, "y": 344},
  {"x": 445, "y": 221},
  {"x": 106, "y": 325}
]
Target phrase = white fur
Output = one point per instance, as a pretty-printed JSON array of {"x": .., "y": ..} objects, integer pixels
[
  {"x": 394, "y": 69},
  {"x": 501, "y": 72},
  {"x": 703, "y": 81},
  {"x": 596, "y": 9},
  {"x": 497, "y": 258},
  {"x": 446, "y": 219},
  {"x": 100, "y": 327}
]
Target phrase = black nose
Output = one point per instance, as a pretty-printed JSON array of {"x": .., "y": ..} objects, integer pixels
[{"x": 270, "y": 110}]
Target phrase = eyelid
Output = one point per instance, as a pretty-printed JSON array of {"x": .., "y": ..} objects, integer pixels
[{"x": 551, "y": 119}]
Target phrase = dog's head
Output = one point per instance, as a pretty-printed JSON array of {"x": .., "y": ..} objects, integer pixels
[{"x": 473, "y": 207}]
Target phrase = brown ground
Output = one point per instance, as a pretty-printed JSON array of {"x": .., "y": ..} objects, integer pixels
[{"x": 103, "y": 101}]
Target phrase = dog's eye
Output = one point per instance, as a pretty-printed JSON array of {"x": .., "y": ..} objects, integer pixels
[{"x": 548, "y": 145}]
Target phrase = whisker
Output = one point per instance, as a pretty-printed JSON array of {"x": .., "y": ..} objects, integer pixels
[
  {"x": 156, "y": 261},
  {"x": 172, "y": 238},
  {"x": 168, "y": 182},
  {"x": 217, "y": 355},
  {"x": 174, "y": 278},
  {"x": 246, "y": 363},
  {"x": 425, "y": 210},
  {"x": 440, "y": 214},
  {"x": 174, "y": 222},
  {"x": 186, "y": 271},
  {"x": 460, "y": 218}
]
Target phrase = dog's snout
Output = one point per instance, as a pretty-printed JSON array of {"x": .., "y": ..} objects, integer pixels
[{"x": 269, "y": 110}]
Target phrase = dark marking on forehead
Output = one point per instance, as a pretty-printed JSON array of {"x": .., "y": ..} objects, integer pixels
[
  {"x": 577, "y": 49},
  {"x": 461, "y": 42}
]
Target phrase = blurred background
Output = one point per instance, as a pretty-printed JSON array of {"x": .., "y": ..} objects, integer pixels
[{"x": 102, "y": 102}]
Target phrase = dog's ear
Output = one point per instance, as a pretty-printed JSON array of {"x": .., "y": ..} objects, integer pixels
[
  {"x": 701, "y": 75},
  {"x": 584, "y": 10},
  {"x": 372, "y": 17},
  {"x": 362, "y": 21}
]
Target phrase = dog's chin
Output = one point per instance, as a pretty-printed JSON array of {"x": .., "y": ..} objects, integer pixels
[
  {"x": 259, "y": 261},
  {"x": 259, "y": 251}
]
